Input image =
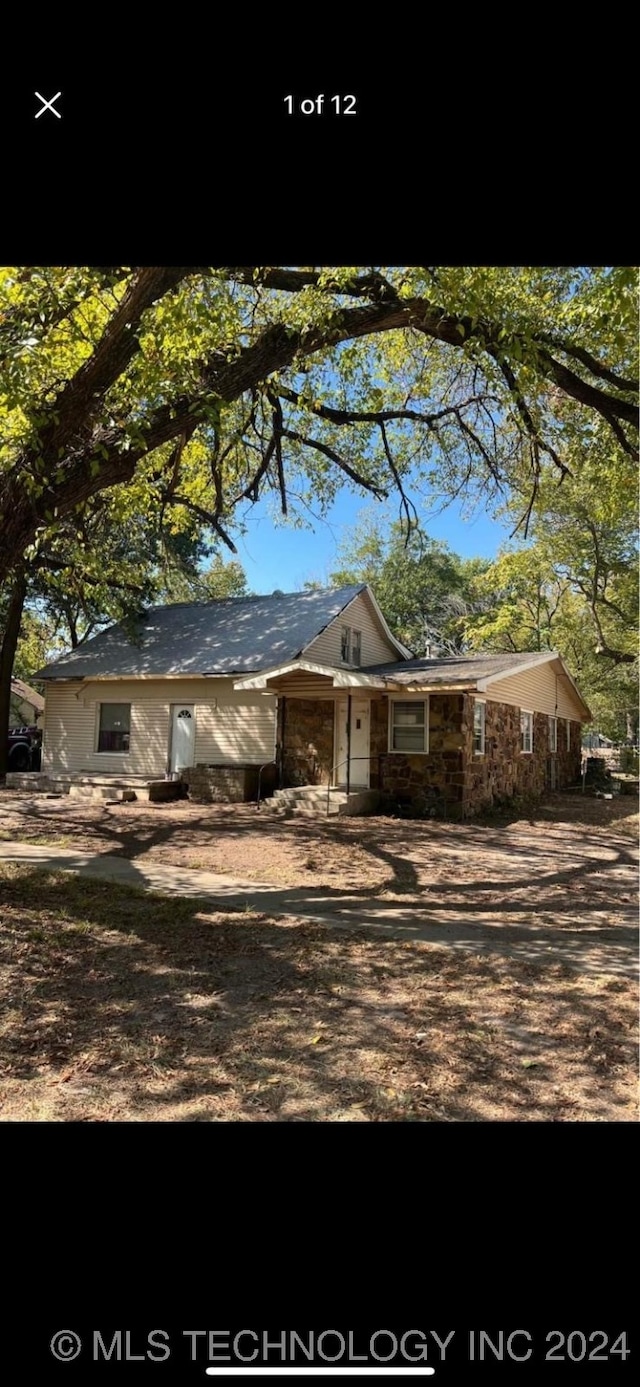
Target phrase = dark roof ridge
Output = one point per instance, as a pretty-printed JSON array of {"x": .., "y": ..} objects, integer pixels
[{"x": 254, "y": 597}]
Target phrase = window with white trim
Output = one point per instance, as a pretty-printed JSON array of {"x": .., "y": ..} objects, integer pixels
[
  {"x": 350, "y": 646},
  {"x": 526, "y": 731},
  {"x": 568, "y": 721},
  {"x": 479, "y": 717},
  {"x": 114, "y": 726},
  {"x": 553, "y": 734},
  {"x": 408, "y": 725}
]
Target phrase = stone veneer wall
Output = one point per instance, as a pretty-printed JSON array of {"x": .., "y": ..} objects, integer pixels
[
  {"x": 453, "y": 782},
  {"x": 378, "y": 740},
  {"x": 450, "y": 779},
  {"x": 307, "y": 755},
  {"x": 226, "y": 784},
  {"x": 435, "y": 781},
  {"x": 505, "y": 772}
]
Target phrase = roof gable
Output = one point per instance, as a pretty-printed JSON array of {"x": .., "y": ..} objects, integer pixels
[{"x": 485, "y": 673}]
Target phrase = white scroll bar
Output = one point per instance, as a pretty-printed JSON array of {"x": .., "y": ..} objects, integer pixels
[{"x": 292, "y": 1371}]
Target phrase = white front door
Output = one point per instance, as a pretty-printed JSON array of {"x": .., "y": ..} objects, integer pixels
[
  {"x": 359, "y": 748},
  {"x": 183, "y": 736}
]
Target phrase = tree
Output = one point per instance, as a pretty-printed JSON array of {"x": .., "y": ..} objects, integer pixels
[
  {"x": 221, "y": 578},
  {"x": 105, "y": 564},
  {"x": 217, "y": 384},
  {"x": 423, "y": 588},
  {"x": 518, "y": 599},
  {"x": 574, "y": 589}
]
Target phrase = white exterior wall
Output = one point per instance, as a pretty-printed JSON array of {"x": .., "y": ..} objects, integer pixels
[
  {"x": 231, "y": 727},
  {"x": 539, "y": 690},
  {"x": 360, "y": 616}
]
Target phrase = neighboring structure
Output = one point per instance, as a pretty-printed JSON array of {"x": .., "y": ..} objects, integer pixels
[
  {"x": 26, "y": 705},
  {"x": 316, "y": 682}
]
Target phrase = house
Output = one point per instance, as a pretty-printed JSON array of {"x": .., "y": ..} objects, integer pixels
[
  {"x": 165, "y": 701},
  {"x": 315, "y": 685},
  {"x": 26, "y": 705}
]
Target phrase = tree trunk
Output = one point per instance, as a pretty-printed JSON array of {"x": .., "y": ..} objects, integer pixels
[{"x": 7, "y": 657}]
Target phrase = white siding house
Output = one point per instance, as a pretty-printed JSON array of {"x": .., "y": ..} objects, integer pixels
[
  {"x": 315, "y": 685},
  {"x": 113, "y": 705}
]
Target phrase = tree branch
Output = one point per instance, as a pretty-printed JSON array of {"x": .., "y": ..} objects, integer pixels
[
  {"x": 207, "y": 517},
  {"x": 340, "y": 462},
  {"x": 378, "y": 416},
  {"x": 406, "y": 505},
  {"x": 82, "y": 397},
  {"x": 586, "y": 359}
]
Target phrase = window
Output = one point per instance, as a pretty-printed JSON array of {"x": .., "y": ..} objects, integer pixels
[
  {"x": 553, "y": 734},
  {"x": 114, "y": 726},
  {"x": 408, "y": 726},
  {"x": 526, "y": 730},
  {"x": 350, "y": 646},
  {"x": 478, "y": 728},
  {"x": 568, "y": 734}
]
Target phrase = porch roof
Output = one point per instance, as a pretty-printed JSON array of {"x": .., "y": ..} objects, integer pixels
[
  {"x": 452, "y": 674},
  {"x": 303, "y": 672},
  {"x": 299, "y": 673}
]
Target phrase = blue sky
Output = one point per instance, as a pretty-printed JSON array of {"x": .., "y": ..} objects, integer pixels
[{"x": 275, "y": 555}]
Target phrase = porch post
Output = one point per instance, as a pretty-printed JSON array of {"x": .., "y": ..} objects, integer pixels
[
  {"x": 283, "y": 711},
  {"x": 348, "y": 742}
]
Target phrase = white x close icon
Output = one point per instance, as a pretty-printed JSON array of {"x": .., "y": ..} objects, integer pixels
[{"x": 48, "y": 105}]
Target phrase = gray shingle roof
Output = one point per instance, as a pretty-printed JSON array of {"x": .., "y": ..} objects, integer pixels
[
  {"x": 455, "y": 669},
  {"x": 230, "y": 636}
]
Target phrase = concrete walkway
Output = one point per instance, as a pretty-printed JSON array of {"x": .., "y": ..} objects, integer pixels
[{"x": 594, "y": 945}]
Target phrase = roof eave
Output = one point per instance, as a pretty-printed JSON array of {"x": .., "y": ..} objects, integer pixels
[
  {"x": 339, "y": 678},
  {"x": 545, "y": 657},
  {"x": 508, "y": 671}
]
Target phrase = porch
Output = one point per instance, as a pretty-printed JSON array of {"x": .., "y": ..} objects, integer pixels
[
  {"x": 360, "y": 731},
  {"x": 109, "y": 788},
  {"x": 332, "y": 741}
]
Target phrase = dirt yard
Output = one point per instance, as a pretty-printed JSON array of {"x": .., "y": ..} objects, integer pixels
[
  {"x": 123, "y": 1005},
  {"x": 369, "y": 855}
]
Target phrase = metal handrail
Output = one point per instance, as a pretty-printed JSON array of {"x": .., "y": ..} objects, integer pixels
[
  {"x": 273, "y": 762},
  {"x": 345, "y": 762}
]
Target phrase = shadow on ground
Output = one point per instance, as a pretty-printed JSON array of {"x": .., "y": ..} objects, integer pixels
[{"x": 126, "y": 1005}]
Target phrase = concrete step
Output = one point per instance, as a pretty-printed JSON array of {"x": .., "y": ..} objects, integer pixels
[
  {"x": 305, "y": 799},
  {"x": 311, "y": 800},
  {"x": 36, "y": 783},
  {"x": 96, "y": 788},
  {"x": 100, "y": 792}
]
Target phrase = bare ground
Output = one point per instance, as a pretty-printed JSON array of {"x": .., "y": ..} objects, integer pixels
[
  {"x": 122, "y": 1005},
  {"x": 374, "y": 855}
]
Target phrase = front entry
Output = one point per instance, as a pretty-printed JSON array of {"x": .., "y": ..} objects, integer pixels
[
  {"x": 182, "y": 750},
  {"x": 359, "y": 748}
]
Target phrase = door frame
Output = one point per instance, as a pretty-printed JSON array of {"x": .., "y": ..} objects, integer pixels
[
  {"x": 182, "y": 703},
  {"x": 354, "y": 771}
]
